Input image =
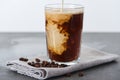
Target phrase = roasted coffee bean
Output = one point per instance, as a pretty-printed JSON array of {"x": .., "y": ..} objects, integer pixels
[
  {"x": 49, "y": 65},
  {"x": 33, "y": 64},
  {"x": 52, "y": 65},
  {"x": 68, "y": 75},
  {"x": 81, "y": 74},
  {"x": 56, "y": 65},
  {"x": 23, "y": 59},
  {"x": 52, "y": 62},
  {"x": 63, "y": 65},
  {"x": 9, "y": 64},
  {"x": 44, "y": 63},
  {"x": 37, "y": 60},
  {"x": 29, "y": 63},
  {"x": 37, "y": 65}
]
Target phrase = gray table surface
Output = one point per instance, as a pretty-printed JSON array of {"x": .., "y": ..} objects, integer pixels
[{"x": 15, "y": 45}]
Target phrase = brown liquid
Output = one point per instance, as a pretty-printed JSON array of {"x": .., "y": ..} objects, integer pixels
[{"x": 71, "y": 31}]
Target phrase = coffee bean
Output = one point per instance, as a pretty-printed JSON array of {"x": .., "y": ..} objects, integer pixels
[
  {"x": 81, "y": 74},
  {"x": 37, "y": 60},
  {"x": 63, "y": 65},
  {"x": 9, "y": 64},
  {"x": 29, "y": 63},
  {"x": 23, "y": 59},
  {"x": 68, "y": 75},
  {"x": 52, "y": 62},
  {"x": 49, "y": 65},
  {"x": 56, "y": 65},
  {"x": 53, "y": 66},
  {"x": 32, "y": 63},
  {"x": 44, "y": 63},
  {"x": 37, "y": 65}
]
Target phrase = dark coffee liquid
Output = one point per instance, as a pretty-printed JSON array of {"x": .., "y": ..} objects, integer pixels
[{"x": 73, "y": 27}]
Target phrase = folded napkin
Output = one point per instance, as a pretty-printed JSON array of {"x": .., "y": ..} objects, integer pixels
[{"x": 89, "y": 57}]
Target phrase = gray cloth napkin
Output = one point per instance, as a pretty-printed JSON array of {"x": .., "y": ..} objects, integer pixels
[{"x": 89, "y": 57}]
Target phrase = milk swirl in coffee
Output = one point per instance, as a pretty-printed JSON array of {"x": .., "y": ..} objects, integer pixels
[{"x": 63, "y": 33}]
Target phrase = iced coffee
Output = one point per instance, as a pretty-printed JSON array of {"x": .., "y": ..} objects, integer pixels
[{"x": 63, "y": 32}]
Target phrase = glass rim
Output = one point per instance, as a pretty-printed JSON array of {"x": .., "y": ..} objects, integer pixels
[{"x": 66, "y": 5}]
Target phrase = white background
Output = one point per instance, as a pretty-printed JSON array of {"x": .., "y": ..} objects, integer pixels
[{"x": 28, "y": 15}]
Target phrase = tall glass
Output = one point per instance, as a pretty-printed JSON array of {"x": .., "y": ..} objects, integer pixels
[{"x": 63, "y": 31}]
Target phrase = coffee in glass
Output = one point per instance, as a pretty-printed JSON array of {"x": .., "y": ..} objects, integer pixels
[{"x": 63, "y": 31}]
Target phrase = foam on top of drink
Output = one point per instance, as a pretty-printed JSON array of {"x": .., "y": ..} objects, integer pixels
[{"x": 65, "y": 11}]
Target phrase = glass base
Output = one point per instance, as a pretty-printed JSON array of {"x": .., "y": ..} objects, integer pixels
[{"x": 67, "y": 63}]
